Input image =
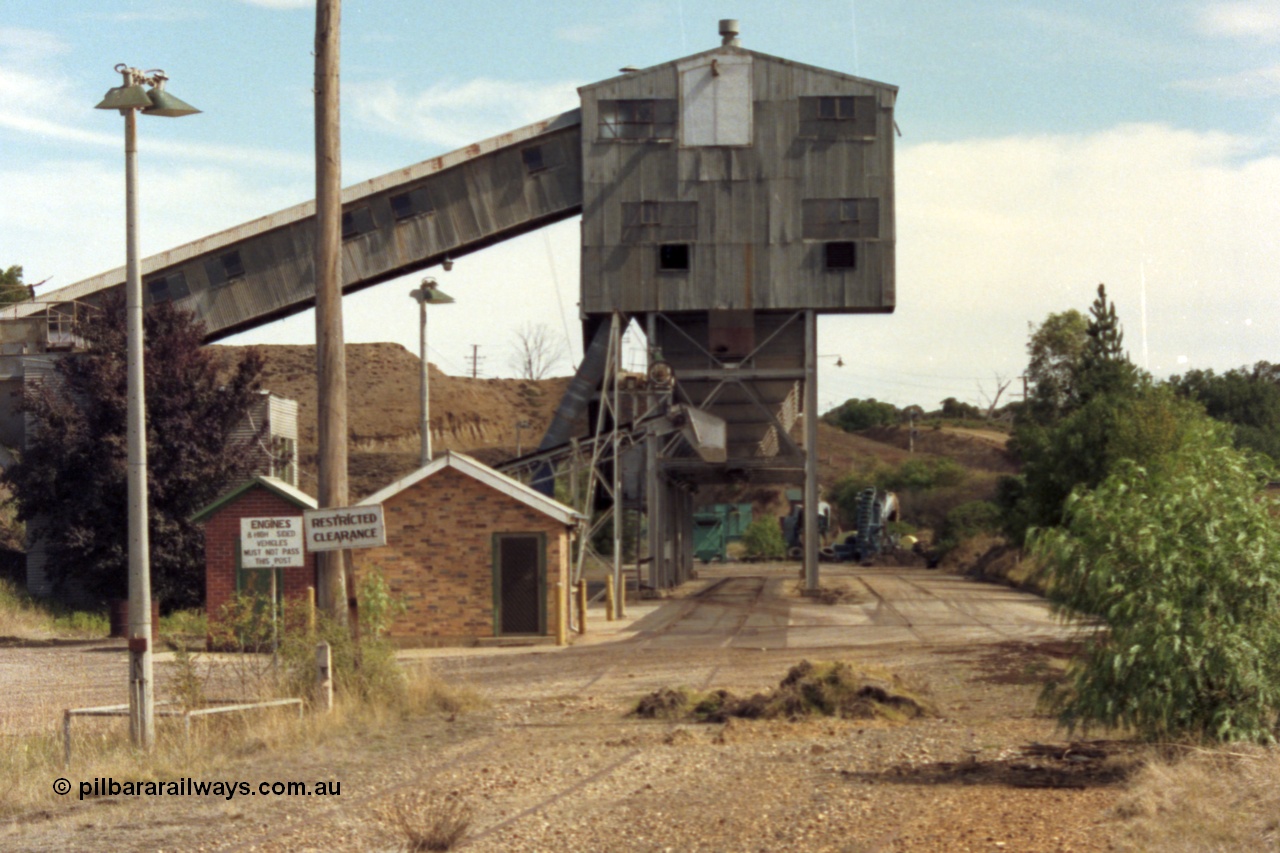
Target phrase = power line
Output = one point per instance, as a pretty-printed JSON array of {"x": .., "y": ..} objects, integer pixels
[{"x": 475, "y": 358}]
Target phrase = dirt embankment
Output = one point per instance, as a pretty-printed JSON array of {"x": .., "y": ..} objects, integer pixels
[{"x": 474, "y": 416}]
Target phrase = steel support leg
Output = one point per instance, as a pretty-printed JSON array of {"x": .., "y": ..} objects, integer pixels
[{"x": 811, "y": 543}]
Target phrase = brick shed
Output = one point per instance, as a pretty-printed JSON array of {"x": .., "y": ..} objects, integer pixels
[
  {"x": 261, "y": 497},
  {"x": 472, "y": 553}
]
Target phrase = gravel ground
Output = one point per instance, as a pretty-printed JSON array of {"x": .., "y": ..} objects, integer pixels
[{"x": 556, "y": 763}]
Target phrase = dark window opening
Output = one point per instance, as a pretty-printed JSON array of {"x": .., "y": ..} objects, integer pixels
[
  {"x": 673, "y": 256},
  {"x": 659, "y": 221},
  {"x": 841, "y": 256},
  {"x": 415, "y": 202},
  {"x": 649, "y": 118},
  {"x": 167, "y": 288},
  {"x": 533, "y": 159},
  {"x": 840, "y": 218},
  {"x": 837, "y": 108},
  {"x": 356, "y": 222},
  {"x": 838, "y": 117},
  {"x": 232, "y": 267}
]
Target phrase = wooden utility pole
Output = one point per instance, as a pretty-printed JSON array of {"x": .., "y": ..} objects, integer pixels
[{"x": 331, "y": 360}]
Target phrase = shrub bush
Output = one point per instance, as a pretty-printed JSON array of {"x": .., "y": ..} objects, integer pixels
[
  {"x": 763, "y": 539},
  {"x": 1181, "y": 566}
]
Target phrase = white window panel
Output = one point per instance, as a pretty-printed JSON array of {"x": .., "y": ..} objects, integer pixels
[{"x": 715, "y": 101}]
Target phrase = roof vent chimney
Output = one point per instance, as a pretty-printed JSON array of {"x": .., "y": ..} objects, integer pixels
[{"x": 729, "y": 32}]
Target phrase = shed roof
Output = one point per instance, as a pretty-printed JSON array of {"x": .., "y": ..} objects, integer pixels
[
  {"x": 290, "y": 493},
  {"x": 740, "y": 51},
  {"x": 483, "y": 473}
]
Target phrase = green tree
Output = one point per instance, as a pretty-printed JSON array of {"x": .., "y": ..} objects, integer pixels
[
  {"x": 1088, "y": 415},
  {"x": 1247, "y": 398},
  {"x": 1054, "y": 350},
  {"x": 11, "y": 287},
  {"x": 956, "y": 410},
  {"x": 1180, "y": 565},
  {"x": 855, "y": 415},
  {"x": 1085, "y": 447},
  {"x": 1104, "y": 366},
  {"x": 73, "y": 472}
]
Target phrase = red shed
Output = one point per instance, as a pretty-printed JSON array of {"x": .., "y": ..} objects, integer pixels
[
  {"x": 473, "y": 554},
  {"x": 261, "y": 497}
]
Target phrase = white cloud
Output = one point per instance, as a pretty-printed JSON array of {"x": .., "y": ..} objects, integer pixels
[
  {"x": 1254, "y": 83},
  {"x": 996, "y": 233},
  {"x": 639, "y": 17},
  {"x": 1259, "y": 19},
  {"x": 22, "y": 46},
  {"x": 457, "y": 114},
  {"x": 65, "y": 218},
  {"x": 35, "y": 106}
]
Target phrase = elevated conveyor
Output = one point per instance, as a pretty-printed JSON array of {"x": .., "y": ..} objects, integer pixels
[{"x": 401, "y": 222}]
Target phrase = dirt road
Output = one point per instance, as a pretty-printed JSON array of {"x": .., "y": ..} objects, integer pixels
[{"x": 555, "y": 762}]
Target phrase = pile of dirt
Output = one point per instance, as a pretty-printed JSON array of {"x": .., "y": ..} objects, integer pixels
[
  {"x": 824, "y": 689},
  {"x": 480, "y": 416},
  {"x": 473, "y": 416}
]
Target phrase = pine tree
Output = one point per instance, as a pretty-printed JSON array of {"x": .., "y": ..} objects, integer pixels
[{"x": 1104, "y": 365}]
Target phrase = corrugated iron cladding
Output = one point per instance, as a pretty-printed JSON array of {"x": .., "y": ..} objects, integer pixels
[
  {"x": 821, "y": 142},
  {"x": 395, "y": 224},
  {"x": 478, "y": 202}
]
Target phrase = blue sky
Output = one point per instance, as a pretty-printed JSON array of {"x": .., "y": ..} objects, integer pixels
[{"x": 1046, "y": 147}]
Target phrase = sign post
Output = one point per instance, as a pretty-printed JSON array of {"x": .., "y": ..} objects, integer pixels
[
  {"x": 344, "y": 527},
  {"x": 272, "y": 544}
]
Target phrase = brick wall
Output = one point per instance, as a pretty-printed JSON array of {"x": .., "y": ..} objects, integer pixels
[
  {"x": 439, "y": 557},
  {"x": 222, "y": 544}
]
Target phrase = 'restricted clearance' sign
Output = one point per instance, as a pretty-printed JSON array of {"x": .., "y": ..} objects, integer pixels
[
  {"x": 271, "y": 543},
  {"x": 343, "y": 528}
]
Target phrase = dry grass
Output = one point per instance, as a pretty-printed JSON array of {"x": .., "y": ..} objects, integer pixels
[
  {"x": 24, "y": 618},
  {"x": 427, "y": 821},
  {"x": 1226, "y": 799},
  {"x": 100, "y": 746}
]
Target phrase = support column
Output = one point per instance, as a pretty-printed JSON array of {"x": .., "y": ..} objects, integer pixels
[
  {"x": 653, "y": 512},
  {"x": 811, "y": 543},
  {"x": 653, "y": 509},
  {"x": 619, "y": 515}
]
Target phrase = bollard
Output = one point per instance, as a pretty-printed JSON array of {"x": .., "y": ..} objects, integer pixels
[
  {"x": 311, "y": 611},
  {"x": 562, "y": 616},
  {"x": 608, "y": 598},
  {"x": 324, "y": 677},
  {"x": 582, "y": 606}
]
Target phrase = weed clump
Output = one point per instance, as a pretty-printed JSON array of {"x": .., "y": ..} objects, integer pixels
[
  {"x": 826, "y": 689},
  {"x": 428, "y": 821}
]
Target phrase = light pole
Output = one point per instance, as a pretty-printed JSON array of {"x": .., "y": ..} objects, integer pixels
[
  {"x": 130, "y": 98},
  {"x": 427, "y": 294}
]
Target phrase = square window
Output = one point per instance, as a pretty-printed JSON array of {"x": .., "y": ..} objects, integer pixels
[
  {"x": 412, "y": 203},
  {"x": 673, "y": 257},
  {"x": 232, "y": 267},
  {"x": 841, "y": 256},
  {"x": 533, "y": 159},
  {"x": 356, "y": 221},
  {"x": 650, "y": 213},
  {"x": 402, "y": 206},
  {"x": 168, "y": 288}
]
